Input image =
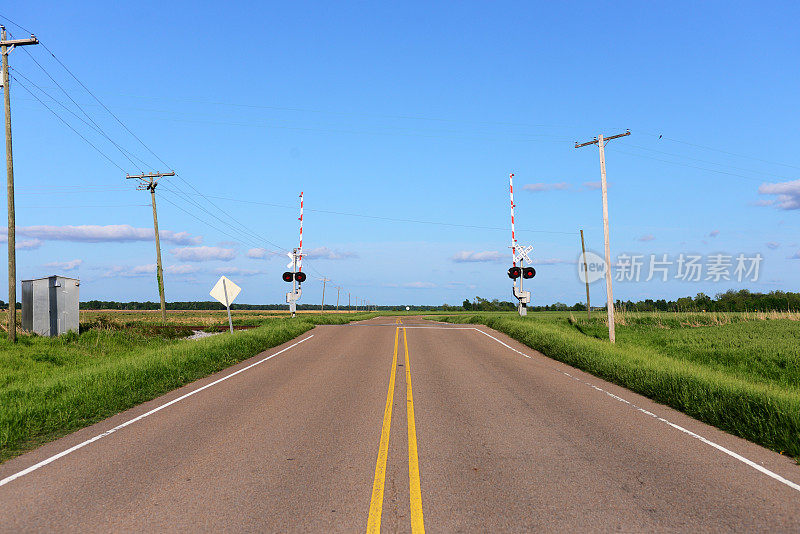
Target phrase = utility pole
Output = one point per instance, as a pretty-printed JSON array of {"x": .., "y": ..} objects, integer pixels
[
  {"x": 586, "y": 279},
  {"x": 6, "y": 46},
  {"x": 149, "y": 182},
  {"x": 337, "y": 298},
  {"x": 601, "y": 143},
  {"x": 348, "y": 302},
  {"x": 322, "y": 308}
]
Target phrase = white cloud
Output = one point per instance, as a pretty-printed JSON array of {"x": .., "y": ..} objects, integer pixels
[
  {"x": 420, "y": 285},
  {"x": 773, "y": 245},
  {"x": 553, "y": 261},
  {"x": 21, "y": 244},
  {"x": 593, "y": 185},
  {"x": 237, "y": 271},
  {"x": 147, "y": 270},
  {"x": 646, "y": 237},
  {"x": 713, "y": 233},
  {"x": 181, "y": 269},
  {"x": 27, "y": 244},
  {"x": 261, "y": 253},
  {"x": 203, "y": 253},
  {"x": 324, "y": 253},
  {"x": 65, "y": 265},
  {"x": 560, "y": 186},
  {"x": 788, "y": 194},
  {"x": 104, "y": 234},
  {"x": 470, "y": 256},
  {"x": 141, "y": 269}
]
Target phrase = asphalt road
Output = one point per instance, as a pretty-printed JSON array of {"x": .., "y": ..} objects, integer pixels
[{"x": 487, "y": 435}]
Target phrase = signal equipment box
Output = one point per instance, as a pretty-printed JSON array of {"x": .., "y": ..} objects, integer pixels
[{"x": 50, "y": 305}]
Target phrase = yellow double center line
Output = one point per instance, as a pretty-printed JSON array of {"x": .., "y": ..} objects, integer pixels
[{"x": 376, "y": 504}]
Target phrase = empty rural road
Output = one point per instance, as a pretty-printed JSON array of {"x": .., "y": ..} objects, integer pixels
[{"x": 399, "y": 427}]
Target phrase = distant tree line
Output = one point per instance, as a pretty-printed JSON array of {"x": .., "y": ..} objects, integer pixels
[
  {"x": 730, "y": 301},
  {"x": 214, "y": 305}
]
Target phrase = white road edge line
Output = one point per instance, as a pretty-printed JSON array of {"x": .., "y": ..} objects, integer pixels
[
  {"x": 140, "y": 417},
  {"x": 717, "y": 446}
]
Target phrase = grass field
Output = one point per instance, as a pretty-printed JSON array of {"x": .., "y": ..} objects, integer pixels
[
  {"x": 737, "y": 371},
  {"x": 50, "y": 387}
]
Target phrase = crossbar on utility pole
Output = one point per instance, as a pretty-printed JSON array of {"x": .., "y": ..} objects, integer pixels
[
  {"x": 6, "y": 46},
  {"x": 149, "y": 181},
  {"x": 601, "y": 142}
]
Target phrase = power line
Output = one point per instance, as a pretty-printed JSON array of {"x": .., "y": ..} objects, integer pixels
[
  {"x": 146, "y": 146},
  {"x": 738, "y": 155},
  {"x": 690, "y": 166},
  {"x": 85, "y": 206},
  {"x": 238, "y": 238},
  {"x": 71, "y": 127},
  {"x": 93, "y": 124},
  {"x": 250, "y": 234},
  {"x": 709, "y": 162},
  {"x": 391, "y": 219},
  {"x": 15, "y": 24},
  {"x": 97, "y": 126}
]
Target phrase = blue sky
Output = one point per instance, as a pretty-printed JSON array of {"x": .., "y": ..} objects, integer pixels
[{"x": 413, "y": 111}]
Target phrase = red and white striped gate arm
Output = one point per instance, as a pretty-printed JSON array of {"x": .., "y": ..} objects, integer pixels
[
  {"x": 300, "y": 250},
  {"x": 513, "y": 237}
]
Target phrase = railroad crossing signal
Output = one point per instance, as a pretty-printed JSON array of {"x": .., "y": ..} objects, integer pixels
[
  {"x": 521, "y": 253},
  {"x": 289, "y": 277},
  {"x": 516, "y": 272}
]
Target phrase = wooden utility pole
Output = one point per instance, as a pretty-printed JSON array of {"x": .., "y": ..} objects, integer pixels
[
  {"x": 601, "y": 143},
  {"x": 322, "y": 309},
  {"x": 337, "y": 298},
  {"x": 6, "y": 46},
  {"x": 348, "y": 302},
  {"x": 586, "y": 279},
  {"x": 149, "y": 182}
]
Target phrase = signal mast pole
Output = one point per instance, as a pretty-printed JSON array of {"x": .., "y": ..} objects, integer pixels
[
  {"x": 601, "y": 143},
  {"x": 520, "y": 272},
  {"x": 514, "y": 237},
  {"x": 6, "y": 46},
  {"x": 296, "y": 276},
  {"x": 149, "y": 182}
]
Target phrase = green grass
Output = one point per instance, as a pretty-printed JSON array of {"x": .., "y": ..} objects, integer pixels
[
  {"x": 50, "y": 387},
  {"x": 735, "y": 371}
]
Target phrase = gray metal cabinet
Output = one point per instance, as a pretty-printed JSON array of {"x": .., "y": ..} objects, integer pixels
[{"x": 50, "y": 305}]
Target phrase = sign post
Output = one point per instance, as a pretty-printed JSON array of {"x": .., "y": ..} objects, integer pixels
[{"x": 225, "y": 292}]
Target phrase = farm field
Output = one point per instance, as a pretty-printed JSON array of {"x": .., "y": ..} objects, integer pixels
[
  {"x": 737, "y": 371},
  {"x": 208, "y": 318}
]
